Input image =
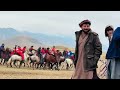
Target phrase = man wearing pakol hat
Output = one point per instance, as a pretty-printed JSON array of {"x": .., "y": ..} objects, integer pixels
[{"x": 87, "y": 52}]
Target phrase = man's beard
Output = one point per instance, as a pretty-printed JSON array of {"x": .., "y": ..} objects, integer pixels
[{"x": 86, "y": 31}]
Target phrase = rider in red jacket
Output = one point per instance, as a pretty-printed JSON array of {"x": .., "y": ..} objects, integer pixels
[
  {"x": 53, "y": 50},
  {"x": 14, "y": 50},
  {"x": 24, "y": 49},
  {"x": 19, "y": 51}
]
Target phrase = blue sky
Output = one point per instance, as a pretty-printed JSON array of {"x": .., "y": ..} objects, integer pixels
[{"x": 59, "y": 22}]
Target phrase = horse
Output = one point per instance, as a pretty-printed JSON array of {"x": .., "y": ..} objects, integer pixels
[
  {"x": 69, "y": 63},
  {"x": 61, "y": 61},
  {"x": 18, "y": 58},
  {"x": 50, "y": 60},
  {"x": 26, "y": 59},
  {"x": 35, "y": 60},
  {"x": 55, "y": 59},
  {"x": 7, "y": 55},
  {"x": 14, "y": 58}
]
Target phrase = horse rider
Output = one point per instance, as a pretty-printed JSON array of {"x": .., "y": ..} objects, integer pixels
[
  {"x": 69, "y": 54},
  {"x": 49, "y": 51},
  {"x": 2, "y": 50},
  {"x": 43, "y": 52},
  {"x": 14, "y": 50},
  {"x": 65, "y": 53},
  {"x": 20, "y": 51},
  {"x": 24, "y": 49},
  {"x": 39, "y": 53},
  {"x": 53, "y": 50},
  {"x": 30, "y": 50}
]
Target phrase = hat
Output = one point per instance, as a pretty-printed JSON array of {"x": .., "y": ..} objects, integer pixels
[{"x": 85, "y": 22}]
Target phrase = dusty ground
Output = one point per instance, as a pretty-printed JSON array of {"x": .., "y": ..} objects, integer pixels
[{"x": 28, "y": 73}]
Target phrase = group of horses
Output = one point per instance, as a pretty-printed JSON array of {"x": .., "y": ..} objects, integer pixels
[{"x": 49, "y": 61}]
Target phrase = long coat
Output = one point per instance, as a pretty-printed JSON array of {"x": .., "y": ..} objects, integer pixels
[{"x": 93, "y": 50}]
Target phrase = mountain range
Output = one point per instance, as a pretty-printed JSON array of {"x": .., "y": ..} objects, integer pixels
[{"x": 11, "y": 37}]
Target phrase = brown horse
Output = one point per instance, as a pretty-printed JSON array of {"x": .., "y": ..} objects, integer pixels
[
  {"x": 5, "y": 55},
  {"x": 51, "y": 61}
]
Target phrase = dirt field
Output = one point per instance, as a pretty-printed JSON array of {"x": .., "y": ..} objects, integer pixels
[{"x": 28, "y": 73}]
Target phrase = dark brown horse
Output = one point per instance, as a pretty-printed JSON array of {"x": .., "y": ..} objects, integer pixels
[
  {"x": 51, "y": 60},
  {"x": 5, "y": 55}
]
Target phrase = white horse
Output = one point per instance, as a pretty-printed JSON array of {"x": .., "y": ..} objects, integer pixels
[
  {"x": 35, "y": 60},
  {"x": 68, "y": 63},
  {"x": 18, "y": 58},
  {"x": 12, "y": 59}
]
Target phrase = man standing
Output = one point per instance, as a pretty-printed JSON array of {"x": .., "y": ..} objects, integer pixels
[
  {"x": 87, "y": 52},
  {"x": 113, "y": 55},
  {"x": 109, "y": 30}
]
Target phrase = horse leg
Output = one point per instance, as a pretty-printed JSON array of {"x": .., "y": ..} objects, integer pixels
[
  {"x": 7, "y": 64},
  {"x": 51, "y": 66},
  {"x": 20, "y": 63},
  {"x": 48, "y": 65},
  {"x": 11, "y": 64},
  {"x": 44, "y": 66},
  {"x": 67, "y": 66},
  {"x": 33, "y": 65},
  {"x": 1, "y": 61},
  {"x": 24, "y": 64},
  {"x": 58, "y": 66},
  {"x": 36, "y": 64},
  {"x": 30, "y": 64},
  {"x": 71, "y": 65},
  {"x": 14, "y": 63},
  {"x": 4, "y": 61},
  {"x": 41, "y": 65}
]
